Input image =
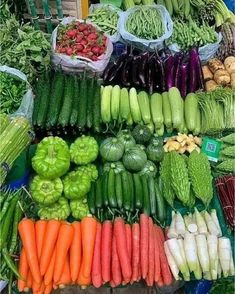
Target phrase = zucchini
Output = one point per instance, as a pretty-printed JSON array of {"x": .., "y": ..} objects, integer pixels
[
  {"x": 197, "y": 129},
  {"x": 161, "y": 211},
  {"x": 115, "y": 101},
  {"x": 91, "y": 199},
  {"x": 74, "y": 114},
  {"x": 111, "y": 189},
  {"x": 126, "y": 189},
  {"x": 138, "y": 191},
  {"x": 143, "y": 100},
  {"x": 56, "y": 96},
  {"x": 90, "y": 95},
  {"x": 176, "y": 107},
  {"x": 37, "y": 100},
  {"x": 82, "y": 105},
  {"x": 98, "y": 194},
  {"x": 66, "y": 108},
  {"x": 166, "y": 108},
  {"x": 146, "y": 200},
  {"x": 124, "y": 104},
  {"x": 134, "y": 106},
  {"x": 132, "y": 192},
  {"x": 96, "y": 109},
  {"x": 190, "y": 111},
  {"x": 156, "y": 109},
  {"x": 118, "y": 189},
  {"x": 106, "y": 104},
  {"x": 152, "y": 196}
]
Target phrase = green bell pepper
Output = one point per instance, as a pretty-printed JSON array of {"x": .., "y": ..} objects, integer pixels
[
  {"x": 44, "y": 191},
  {"x": 90, "y": 170},
  {"x": 52, "y": 158},
  {"x": 84, "y": 150},
  {"x": 76, "y": 185},
  {"x": 79, "y": 208},
  {"x": 59, "y": 210}
]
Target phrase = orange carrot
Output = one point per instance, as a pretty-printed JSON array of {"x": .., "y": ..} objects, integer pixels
[
  {"x": 88, "y": 232},
  {"x": 160, "y": 282},
  {"x": 106, "y": 250},
  {"x": 40, "y": 228},
  {"x": 65, "y": 278},
  {"x": 135, "y": 251},
  {"x": 42, "y": 288},
  {"x": 121, "y": 242},
  {"x": 96, "y": 263},
  {"x": 55, "y": 286},
  {"x": 50, "y": 270},
  {"x": 48, "y": 289},
  {"x": 49, "y": 242},
  {"x": 129, "y": 240},
  {"x": 116, "y": 268},
  {"x": 29, "y": 280},
  {"x": 23, "y": 270},
  {"x": 82, "y": 280},
  {"x": 36, "y": 286},
  {"x": 144, "y": 244},
  {"x": 151, "y": 253},
  {"x": 157, "y": 267},
  {"x": 27, "y": 234},
  {"x": 76, "y": 251},
  {"x": 165, "y": 270},
  {"x": 112, "y": 284},
  {"x": 63, "y": 244}
]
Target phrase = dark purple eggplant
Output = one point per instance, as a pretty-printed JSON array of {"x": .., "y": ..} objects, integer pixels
[
  {"x": 135, "y": 70},
  {"x": 108, "y": 70},
  {"x": 115, "y": 72},
  {"x": 201, "y": 84},
  {"x": 160, "y": 70},
  {"x": 169, "y": 70},
  {"x": 142, "y": 68},
  {"x": 126, "y": 70},
  {"x": 193, "y": 70},
  {"x": 150, "y": 73},
  {"x": 177, "y": 62},
  {"x": 184, "y": 78}
]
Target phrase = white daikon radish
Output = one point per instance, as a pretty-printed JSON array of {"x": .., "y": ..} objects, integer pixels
[
  {"x": 212, "y": 243},
  {"x": 219, "y": 270},
  {"x": 225, "y": 255},
  {"x": 190, "y": 223},
  {"x": 173, "y": 266},
  {"x": 202, "y": 252},
  {"x": 212, "y": 227},
  {"x": 198, "y": 272},
  {"x": 207, "y": 276},
  {"x": 190, "y": 249},
  {"x": 179, "y": 224},
  {"x": 216, "y": 221},
  {"x": 201, "y": 224},
  {"x": 174, "y": 248},
  {"x": 171, "y": 231},
  {"x": 231, "y": 265}
]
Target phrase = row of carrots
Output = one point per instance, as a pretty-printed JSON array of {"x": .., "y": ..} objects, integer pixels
[{"x": 57, "y": 253}]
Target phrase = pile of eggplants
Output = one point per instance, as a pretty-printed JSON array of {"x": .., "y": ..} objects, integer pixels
[{"x": 156, "y": 71}]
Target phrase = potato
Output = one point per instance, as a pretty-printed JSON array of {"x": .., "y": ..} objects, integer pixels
[
  {"x": 211, "y": 85},
  {"x": 229, "y": 64},
  {"x": 222, "y": 77},
  {"x": 207, "y": 74},
  {"x": 215, "y": 64},
  {"x": 233, "y": 79}
]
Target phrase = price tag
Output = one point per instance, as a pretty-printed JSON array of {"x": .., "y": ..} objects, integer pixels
[{"x": 211, "y": 148}]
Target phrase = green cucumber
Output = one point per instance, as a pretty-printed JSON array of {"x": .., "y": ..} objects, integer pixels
[
  {"x": 111, "y": 189},
  {"x": 82, "y": 105},
  {"x": 96, "y": 109},
  {"x": 76, "y": 97},
  {"x": 105, "y": 189},
  {"x": 37, "y": 100},
  {"x": 161, "y": 210},
  {"x": 90, "y": 95},
  {"x": 146, "y": 200},
  {"x": 152, "y": 196},
  {"x": 132, "y": 192},
  {"x": 118, "y": 189},
  {"x": 98, "y": 194},
  {"x": 138, "y": 191},
  {"x": 91, "y": 199},
  {"x": 126, "y": 191}
]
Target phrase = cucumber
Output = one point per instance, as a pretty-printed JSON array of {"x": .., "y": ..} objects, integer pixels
[
  {"x": 138, "y": 191},
  {"x": 166, "y": 108},
  {"x": 91, "y": 199},
  {"x": 118, "y": 189},
  {"x": 66, "y": 108},
  {"x": 146, "y": 200},
  {"x": 143, "y": 100},
  {"x": 134, "y": 106},
  {"x": 57, "y": 92},
  {"x": 106, "y": 104},
  {"x": 76, "y": 97},
  {"x": 156, "y": 109},
  {"x": 82, "y": 105},
  {"x": 111, "y": 189},
  {"x": 115, "y": 101},
  {"x": 96, "y": 109},
  {"x": 190, "y": 111},
  {"x": 152, "y": 196},
  {"x": 176, "y": 107},
  {"x": 90, "y": 95},
  {"x": 98, "y": 194},
  {"x": 37, "y": 100},
  {"x": 161, "y": 211},
  {"x": 132, "y": 192},
  {"x": 126, "y": 189},
  {"x": 105, "y": 189},
  {"x": 124, "y": 104}
]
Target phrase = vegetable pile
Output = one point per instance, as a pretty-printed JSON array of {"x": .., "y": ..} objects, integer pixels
[
  {"x": 80, "y": 39},
  {"x": 56, "y": 254}
]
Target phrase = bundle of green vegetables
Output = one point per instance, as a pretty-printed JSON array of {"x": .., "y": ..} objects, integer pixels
[
  {"x": 226, "y": 162},
  {"x": 24, "y": 48},
  {"x": 12, "y": 90},
  {"x": 57, "y": 191}
]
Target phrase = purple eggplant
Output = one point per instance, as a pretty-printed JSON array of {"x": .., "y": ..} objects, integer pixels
[
  {"x": 111, "y": 66},
  {"x": 142, "y": 68},
  {"x": 115, "y": 72},
  {"x": 159, "y": 79},
  {"x": 177, "y": 62},
  {"x": 135, "y": 70},
  {"x": 201, "y": 83},
  {"x": 169, "y": 69},
  {"x": 150, "y": 75},
  {"x": 193, "y": 70},
  {"x": 126, "y": 70},
  {"x": 184, "y": 78}
]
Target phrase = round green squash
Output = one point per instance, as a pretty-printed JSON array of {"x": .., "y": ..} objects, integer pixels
[
  {"x": 111, "y": 149},
  {"x": 134, "y": 159}
]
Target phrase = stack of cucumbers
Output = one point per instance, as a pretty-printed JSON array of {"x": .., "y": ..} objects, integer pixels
[{"x": 67, "y": 101}]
